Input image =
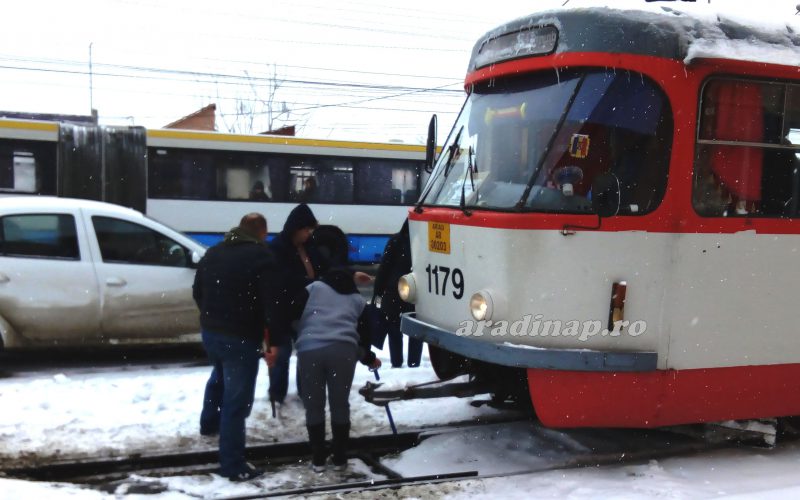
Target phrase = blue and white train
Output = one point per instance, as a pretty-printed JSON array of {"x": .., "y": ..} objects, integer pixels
[{"x": 201, "y": 183}]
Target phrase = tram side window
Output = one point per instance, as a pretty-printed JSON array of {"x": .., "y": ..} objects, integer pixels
[
  {"x": 386, "y": 182},
  {"x": 27, "y": 167},
  {"x": 748, "y": 154},
  {"x": 252, "y": 176},
  {"x": 321, "y": 180},
  {"x": 181, "y": 174},
  {"x": 216, "y": 175}
]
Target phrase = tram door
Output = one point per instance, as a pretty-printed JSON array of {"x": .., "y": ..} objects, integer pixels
[{"x": 103, "y": 163}]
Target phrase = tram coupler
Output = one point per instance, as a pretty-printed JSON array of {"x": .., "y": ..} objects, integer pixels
[{"x": 428, "y": 390}]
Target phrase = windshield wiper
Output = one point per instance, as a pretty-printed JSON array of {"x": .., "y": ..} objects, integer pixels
[
  {"x": 550, "y": 142},
  {"x": 451, "y": 152},
  {"x": 451, "y": 157},
  {"x": 463, "y": 204}
]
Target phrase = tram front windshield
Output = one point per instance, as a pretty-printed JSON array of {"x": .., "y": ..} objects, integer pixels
[{"x": 536, "y": 143}]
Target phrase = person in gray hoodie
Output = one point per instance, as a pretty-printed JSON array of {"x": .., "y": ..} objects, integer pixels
[{"x": 332, "y": 335}]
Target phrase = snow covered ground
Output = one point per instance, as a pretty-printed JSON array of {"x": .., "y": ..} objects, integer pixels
[
  {"x": 91, "y": 413},
  {"x": 94, "y": 413},
  {"x": 729, "y": 474},
  {"x": 107, "y": 413}
]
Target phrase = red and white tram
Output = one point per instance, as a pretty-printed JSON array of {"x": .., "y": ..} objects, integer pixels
[{"x": 614, "y": 221}]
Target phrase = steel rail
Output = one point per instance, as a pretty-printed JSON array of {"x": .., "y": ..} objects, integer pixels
[
  {"x": 582, "y": 448},
  {"x": 93, "y": 471},
  {"x": 685, "y": 448}
]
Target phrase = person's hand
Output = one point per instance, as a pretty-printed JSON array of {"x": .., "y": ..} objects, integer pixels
[
  {"x": 362, "y": 278},
  {"x": 375, "y": 364},
  {"x": 271, "y": 356}
]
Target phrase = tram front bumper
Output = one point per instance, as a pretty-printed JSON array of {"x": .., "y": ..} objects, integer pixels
[{"x": 520, "y": 356}]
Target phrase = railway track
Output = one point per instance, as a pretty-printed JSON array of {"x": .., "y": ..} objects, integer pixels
[{"x": 374, "y": 457}]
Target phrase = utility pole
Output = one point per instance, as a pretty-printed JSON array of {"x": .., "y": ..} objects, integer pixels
[{"x": 91, "y": 87}]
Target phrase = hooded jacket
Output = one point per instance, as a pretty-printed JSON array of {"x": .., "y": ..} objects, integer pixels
[
  {"x": 235, "y": 288},
  {"x": 290, "y": 266}
]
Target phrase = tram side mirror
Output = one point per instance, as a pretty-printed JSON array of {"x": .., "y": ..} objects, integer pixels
[
  {"x": 430, "y": 146},
  {"x": 606, "y": 194}
]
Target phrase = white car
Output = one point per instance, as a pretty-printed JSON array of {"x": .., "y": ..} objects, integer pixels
[{"x": 78, "y": 272}]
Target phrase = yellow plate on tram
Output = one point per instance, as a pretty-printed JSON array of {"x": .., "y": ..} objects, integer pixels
[{"x": 439, "y": 237}]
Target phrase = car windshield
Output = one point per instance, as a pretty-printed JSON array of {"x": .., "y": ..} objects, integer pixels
[{"x": 536, "y": 143}]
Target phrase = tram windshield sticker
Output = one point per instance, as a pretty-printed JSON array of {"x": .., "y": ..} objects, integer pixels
[
  {"x": 579, "y": 146},
  {"x": 439, "y": 237}
]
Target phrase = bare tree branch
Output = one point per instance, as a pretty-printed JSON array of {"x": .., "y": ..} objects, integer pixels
[{"x": 260, "y": 109}]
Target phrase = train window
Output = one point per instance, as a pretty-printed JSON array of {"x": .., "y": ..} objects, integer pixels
[
  {"x": 217, "y": 175},
  {"x": 181, "y": 174},
  {"x": 253, "y": 177},
  {"x": 537, "y": 143},
  {"x": 386, "y": 182},
  {"x": 321, "y": 180},
  {"x": 123, "y": 242},
  {"x": 27, "y": 166},
  {"x": 748, "y": 145},
  {"x": 39, "y": 235}
]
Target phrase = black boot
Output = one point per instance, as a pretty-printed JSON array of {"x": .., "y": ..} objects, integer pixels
[
  {"x": 316, "y": 438},
  {"x": 341, "y": 433}
]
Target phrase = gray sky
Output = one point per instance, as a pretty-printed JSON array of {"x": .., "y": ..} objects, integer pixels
[{"x": 351, "y": 69}]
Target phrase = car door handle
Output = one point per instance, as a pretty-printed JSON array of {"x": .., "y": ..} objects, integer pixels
[
  {"x": 4, "y": 278},
  {"x": 116, "y": 282}
]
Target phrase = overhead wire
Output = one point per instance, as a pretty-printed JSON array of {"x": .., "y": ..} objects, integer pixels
[
  {"x": 352, "y": 92},
  {"x": 145, "y": 68}
]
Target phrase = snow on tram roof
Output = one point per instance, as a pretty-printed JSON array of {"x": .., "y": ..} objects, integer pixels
[{"x": 681, "y": 32}]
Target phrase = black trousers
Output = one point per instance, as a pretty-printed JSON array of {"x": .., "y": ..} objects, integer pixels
[{"x": 327, "y": 369}]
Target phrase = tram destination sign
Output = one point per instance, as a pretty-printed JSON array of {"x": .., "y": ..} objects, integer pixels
[{"x": 529, "y": 41}]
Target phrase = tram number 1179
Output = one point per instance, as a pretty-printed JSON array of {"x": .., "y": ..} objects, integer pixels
[{"x": 443, "y": 275}]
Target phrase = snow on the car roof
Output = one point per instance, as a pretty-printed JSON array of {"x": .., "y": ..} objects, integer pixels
[{"x": 51, "y": 202}]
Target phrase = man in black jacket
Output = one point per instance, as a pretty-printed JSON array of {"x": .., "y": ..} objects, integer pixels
[
  {"x": 396, "y": 262},
  {"x": 299, "y": 263},
  {"x": 235, "y": 289}
]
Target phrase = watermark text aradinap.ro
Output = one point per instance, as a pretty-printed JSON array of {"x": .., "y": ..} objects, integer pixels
[{"x": 534, "y": 326}]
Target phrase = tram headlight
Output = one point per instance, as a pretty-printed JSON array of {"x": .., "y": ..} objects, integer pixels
[
  {"x": 407, "y": 288},
  {"x": 481, "y": 305}
]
